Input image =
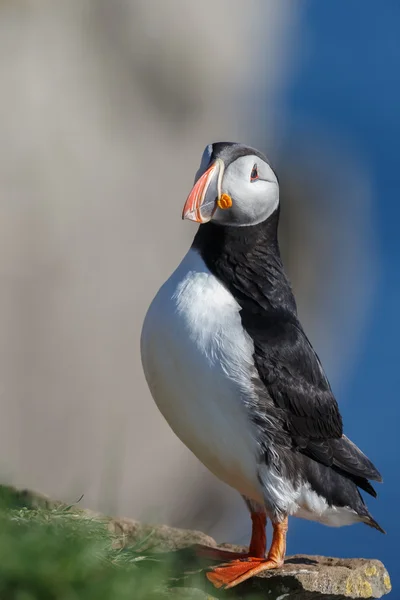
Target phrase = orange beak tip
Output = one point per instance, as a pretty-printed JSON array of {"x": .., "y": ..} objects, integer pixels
[{"x": 197, "y": 207}]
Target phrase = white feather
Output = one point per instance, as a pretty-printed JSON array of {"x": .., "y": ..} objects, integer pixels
[
  {"x": 303, "y": 502},
  {"x": 313, "y": 507},
  {"x": 196, "y": 358}
]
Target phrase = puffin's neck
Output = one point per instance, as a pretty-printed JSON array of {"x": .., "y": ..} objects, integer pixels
[{"x": 248, "y": 262}]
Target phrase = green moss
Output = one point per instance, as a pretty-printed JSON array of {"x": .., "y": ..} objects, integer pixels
[{"x": 57, "y": 553}]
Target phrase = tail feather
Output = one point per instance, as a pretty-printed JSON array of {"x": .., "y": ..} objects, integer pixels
[
  {"x": 349, "y": 458},
  {"x": 360, "y": 482},
  {"x": 370, "y": 521}
]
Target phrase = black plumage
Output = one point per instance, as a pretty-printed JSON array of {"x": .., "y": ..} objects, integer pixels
[{"x": 293, "y": 389}]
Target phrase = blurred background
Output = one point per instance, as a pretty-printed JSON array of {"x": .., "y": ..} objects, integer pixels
[{"x": 105, "y": 110}]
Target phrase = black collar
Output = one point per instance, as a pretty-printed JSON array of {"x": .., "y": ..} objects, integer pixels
[{"x": 248, "y": 262}]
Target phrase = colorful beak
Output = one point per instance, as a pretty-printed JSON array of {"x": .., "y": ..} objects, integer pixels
[{"x": 201, "y": 203}]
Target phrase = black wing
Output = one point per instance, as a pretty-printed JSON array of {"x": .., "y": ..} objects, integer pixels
[
  {"x": 247, "y": 261},
  {"x": 291, "y": 371}
]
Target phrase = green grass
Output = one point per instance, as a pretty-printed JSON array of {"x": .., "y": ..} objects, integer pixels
[{"x": 58, "y": 553}]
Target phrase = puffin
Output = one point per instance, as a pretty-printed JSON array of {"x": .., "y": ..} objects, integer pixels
[{"x": 231, "y": 369}]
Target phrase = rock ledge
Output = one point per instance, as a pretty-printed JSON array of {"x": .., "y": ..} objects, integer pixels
[
  {"x": 301, "y": 578},
  {"x": 318, "y": 577}
]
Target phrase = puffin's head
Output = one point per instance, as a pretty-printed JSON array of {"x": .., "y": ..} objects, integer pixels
[{"x": 234, "y": 186}]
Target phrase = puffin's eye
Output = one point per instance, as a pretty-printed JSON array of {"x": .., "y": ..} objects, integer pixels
[{"x": 254, "y": 174}]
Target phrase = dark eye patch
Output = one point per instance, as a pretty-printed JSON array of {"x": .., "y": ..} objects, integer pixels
[{"x": 254, "y": 173}]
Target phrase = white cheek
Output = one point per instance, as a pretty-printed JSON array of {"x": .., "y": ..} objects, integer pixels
[{"x": 253, "y": 202}]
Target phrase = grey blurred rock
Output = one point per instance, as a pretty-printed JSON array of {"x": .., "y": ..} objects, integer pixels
[
  {"x": 161, "y": 538},
  {"x": 105, "y": 110}
]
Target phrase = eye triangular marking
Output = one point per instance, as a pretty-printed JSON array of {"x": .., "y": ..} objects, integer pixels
[{"x": 254, "y": 173}]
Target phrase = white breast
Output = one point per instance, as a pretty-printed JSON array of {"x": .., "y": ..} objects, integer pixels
[{"x": 197, "y": 359}]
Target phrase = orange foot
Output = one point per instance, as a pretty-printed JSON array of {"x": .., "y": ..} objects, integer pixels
[{"x": 230, "y": 574}]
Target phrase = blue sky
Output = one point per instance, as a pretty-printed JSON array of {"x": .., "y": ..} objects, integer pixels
[{"x": 348, "y": 81}]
